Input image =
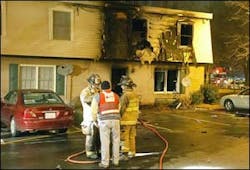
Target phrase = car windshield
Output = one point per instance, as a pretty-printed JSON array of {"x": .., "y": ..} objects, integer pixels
[
  {"x": 37, "y": 98},
  {"x": 244, "y": 92}
]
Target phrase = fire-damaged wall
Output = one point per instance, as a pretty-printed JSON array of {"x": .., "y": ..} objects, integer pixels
[
  {"x": 116, "y": 34},
  {"x": 135, "y": 34}
]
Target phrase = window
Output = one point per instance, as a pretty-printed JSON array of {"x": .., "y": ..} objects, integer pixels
[
  {"x": 41, "y": 98},
  {"x": 166, "y": 80},
  {"x": 11, "y": 98},
  {"x": 185, "y": 32},
  {"x": 61, "y": 24},
  {"x": 139, "y": 29},
  {"x": 245, "y": 92},
  {"x": 37, "y": 77}
]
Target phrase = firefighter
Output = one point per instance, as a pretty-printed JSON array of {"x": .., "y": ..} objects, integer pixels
[
  {"x": 129, "y": 110},
  {"x": 105, "y": 109},
  {"x": 89, "y": 128}
]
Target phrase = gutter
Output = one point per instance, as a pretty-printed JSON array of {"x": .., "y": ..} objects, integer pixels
[{"x": 176, "y": 12}]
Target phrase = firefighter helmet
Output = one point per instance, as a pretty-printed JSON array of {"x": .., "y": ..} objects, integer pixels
[
  {"x": 94, "y": 79},
  {"x": 126, "y": 81}
]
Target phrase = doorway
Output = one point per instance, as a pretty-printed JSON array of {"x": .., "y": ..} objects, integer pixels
[{"x": 115, "y": 79}]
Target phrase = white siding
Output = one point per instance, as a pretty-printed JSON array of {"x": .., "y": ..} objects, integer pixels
[
  {"x": 202, "y": 42},
  {"x": 28, "y": 31}
]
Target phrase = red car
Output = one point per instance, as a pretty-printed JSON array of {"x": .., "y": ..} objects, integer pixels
[{"x": 33, "y": 110}]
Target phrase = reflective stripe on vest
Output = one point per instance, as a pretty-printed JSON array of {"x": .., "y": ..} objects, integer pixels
[
  {"x": 109, "y": 103},
  {"x": 131, "y": 113}
]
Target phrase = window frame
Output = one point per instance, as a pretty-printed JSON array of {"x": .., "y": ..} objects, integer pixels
[
  {"x": 166, "y": 72},
  {"x": 60, "y": 9},
  {"x": 37, "y": 74},
  {"x": 179, "y": 26}
]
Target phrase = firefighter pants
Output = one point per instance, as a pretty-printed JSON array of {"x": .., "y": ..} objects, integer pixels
[
  {"x": 92, "y": 142},
  {"x": 109, "y": 129},
  {"x": 128, "y": 134}
]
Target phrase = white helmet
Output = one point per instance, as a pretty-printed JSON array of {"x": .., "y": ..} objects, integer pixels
[
  {"x": 127, "y": 82},
  {"x": 94, "y": 79}
]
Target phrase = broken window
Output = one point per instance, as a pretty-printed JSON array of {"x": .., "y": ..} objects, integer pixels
[
  {"x": 166, "y": 80},
  {"x": 139, "y": 30},
  {"x": 139, "y": 36},
  {"x": 140, "y": 26},
  {"x": 185, "y": 32}
]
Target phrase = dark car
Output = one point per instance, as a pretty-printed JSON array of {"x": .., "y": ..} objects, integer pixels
[{"x": 35, "y": 110}]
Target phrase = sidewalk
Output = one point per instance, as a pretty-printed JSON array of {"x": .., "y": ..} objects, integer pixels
[
  {"x": 209, "y": 106},
  {"x": 5, "y": 133}
]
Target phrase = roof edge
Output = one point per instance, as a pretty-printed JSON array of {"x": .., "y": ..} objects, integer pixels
[{"x": 177, "y": 12}]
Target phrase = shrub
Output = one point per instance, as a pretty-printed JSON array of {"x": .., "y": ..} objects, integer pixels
[
  {"x": 210, "y": 93},
  {"x": 197, "y": 97},
  {"x": 185, "y": 101}
]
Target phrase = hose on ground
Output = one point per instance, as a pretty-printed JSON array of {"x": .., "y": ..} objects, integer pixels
[
  {"x": 70, "y": 159},
  {"x": 146, "y": 125}
]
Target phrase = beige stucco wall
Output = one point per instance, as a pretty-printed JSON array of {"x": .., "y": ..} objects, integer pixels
[
  {"x": 197, "y": 78},
  {"x": 143, "y": 76},
  {"x": 28, "y": 32}
]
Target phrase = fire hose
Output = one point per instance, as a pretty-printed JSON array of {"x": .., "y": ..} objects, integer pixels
[
  {"x": 146, "y": 125},
  {"x": 150, "y": 127}
]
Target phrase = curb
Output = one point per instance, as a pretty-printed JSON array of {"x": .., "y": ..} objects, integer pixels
[{"x": 5, "y": 132}]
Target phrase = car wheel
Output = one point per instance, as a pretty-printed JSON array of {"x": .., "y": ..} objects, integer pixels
[
  {"x": 14, "y": 132},
  {"x": 63, "y": 130},
  {"x": 229, "y": 106}
]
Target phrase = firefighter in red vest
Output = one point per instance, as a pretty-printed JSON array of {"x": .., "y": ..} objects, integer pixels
[
  {"x": 105, "y": 109},
  {"x": 129, "y": 110}
]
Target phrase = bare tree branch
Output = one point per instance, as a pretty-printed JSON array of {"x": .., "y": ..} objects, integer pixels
[{"x": 237, "y": 43}]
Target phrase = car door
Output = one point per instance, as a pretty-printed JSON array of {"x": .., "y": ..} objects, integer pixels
[
  {"x": 243, "y": 101},
  {"x": 8, "y": 106}
]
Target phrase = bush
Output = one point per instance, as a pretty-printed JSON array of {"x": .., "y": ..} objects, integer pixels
[
  {"x": 185, "y": 102},
  {"x": 210, "y": 93},
  {"x": 197, "y": 97}
]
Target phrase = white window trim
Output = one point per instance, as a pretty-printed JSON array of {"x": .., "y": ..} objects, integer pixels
[
  {"x": 62, "y": 9},
  {"x": 37, "y": 66},
  {"x": 179, "y": 23},
  {"x": 165, "y": 83}
]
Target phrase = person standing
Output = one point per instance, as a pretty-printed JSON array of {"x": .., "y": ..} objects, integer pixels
[
  {"x": 89, "y": 128},
  {"x": 105, "y": 109},
  {"x": 129, "y": 111}
]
